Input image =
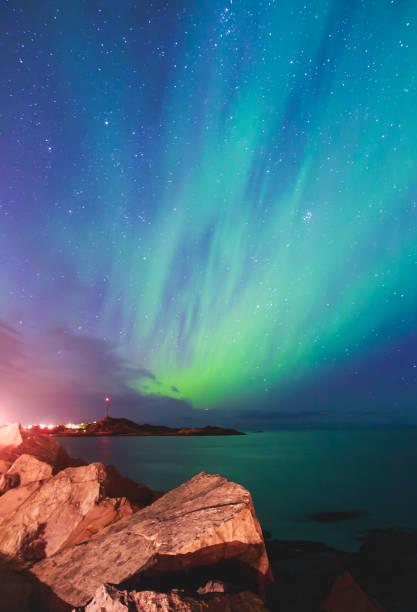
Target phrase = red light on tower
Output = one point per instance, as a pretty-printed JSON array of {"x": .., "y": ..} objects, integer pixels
[{"x": 106, "y": 413}]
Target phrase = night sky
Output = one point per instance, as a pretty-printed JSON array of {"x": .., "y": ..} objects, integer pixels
[{"x": 208, "y": 211}]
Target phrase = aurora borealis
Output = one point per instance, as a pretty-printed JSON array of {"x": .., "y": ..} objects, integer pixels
[{"x": 209, "y": 205}]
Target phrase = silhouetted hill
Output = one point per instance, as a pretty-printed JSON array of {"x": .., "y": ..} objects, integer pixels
[{"x": 125, "y": 427}]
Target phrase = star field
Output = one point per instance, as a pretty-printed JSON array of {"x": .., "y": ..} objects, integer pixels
[{"x": 209, "y": 205}]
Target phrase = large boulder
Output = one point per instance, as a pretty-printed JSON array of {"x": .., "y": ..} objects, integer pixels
[
  {"x": 15, "y": 441},
  {"x": 11, "y": 501},
  {"x": 45, "y": 448},
  {"x": 110, "y": 599},
  {"x": 37, "y": 519},
  {"x": 30, "y": 469},
  {"x": 10, "y": 437},
  {"x": 208, "y": 521}
]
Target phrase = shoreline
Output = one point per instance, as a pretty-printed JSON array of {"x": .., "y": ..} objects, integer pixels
[
  {"x": 137, "y": 435},
  {"x": 73, "y": 534},
  {"x": 109, "y": 426}
]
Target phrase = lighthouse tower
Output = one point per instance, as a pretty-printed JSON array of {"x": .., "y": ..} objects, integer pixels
[{"x": 106, "y": 409}]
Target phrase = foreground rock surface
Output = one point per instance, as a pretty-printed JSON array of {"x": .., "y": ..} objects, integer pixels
[
  {"x": 311, "y": 576},
  {"x": 204, "y": 522},
  {"x": 15, "y": 441},
  {"x": 387, "y": 568},
  {"x": 110, "y": 599},
  {"x": 304, "y": 575},
  {"x": 37, "y": 519},
  {"x": 10, "y": 437},
  {"x": 346, "y": 596},
  {"x": 30, "y": 469},
  {"x": 198, "y": 548},
  {"x": 15, "y": 589}
]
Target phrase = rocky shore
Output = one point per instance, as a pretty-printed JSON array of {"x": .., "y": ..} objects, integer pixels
[{"x": 81, "y": 537}]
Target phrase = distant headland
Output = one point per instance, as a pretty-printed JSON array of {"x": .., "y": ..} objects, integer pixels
[{"x": 109, "y": 426}]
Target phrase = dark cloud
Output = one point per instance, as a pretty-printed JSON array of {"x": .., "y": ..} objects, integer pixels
[
  {"x": 69, "y": 378},
  {"x": 11, "y": 349},
  {"x": 96, "y": 358}
]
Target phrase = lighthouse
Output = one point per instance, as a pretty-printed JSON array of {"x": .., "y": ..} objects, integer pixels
[{"x": 106, "y": 409}]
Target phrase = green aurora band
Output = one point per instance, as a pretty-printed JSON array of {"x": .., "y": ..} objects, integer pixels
[{"x": 276, "y": 232}]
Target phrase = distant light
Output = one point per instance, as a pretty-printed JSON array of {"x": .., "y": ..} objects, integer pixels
[
  {"x": 72, "y": 426},
  {"x": 51, "y": 426},
  {"x": 107, "y": 399},
  {"x": 42, "y": 426}
]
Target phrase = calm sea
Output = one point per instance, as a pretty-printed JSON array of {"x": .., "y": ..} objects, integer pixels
[{"x": 291, "y": 474}]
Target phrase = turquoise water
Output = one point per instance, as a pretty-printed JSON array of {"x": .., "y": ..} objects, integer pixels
[{"x": 290, "y": 474}]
